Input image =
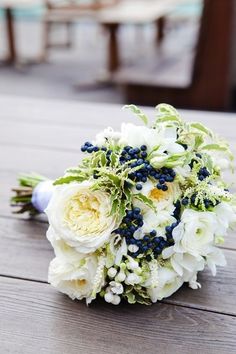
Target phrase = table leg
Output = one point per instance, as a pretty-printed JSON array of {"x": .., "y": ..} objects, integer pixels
[
  {"x": 10, "y": 35},
  {"x": 160, "y": 29},
  {"x": 113, "y": 55}
]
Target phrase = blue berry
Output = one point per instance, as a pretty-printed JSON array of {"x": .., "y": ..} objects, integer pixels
[
  {"x": 83, "y": 148},
  {"x": 143, "y": 147},
  {"x": 153, "y": 233},
  {"x": 148, "y": 258},
  {"x": 185, "y": 201},
  {"x": 159, "y": 186},
  {"x": 136, "y": 210},
  {"x": 144, "y": 154},
  {"x": 139, "y": 186},
  {"x": 164, "y": 188},
  {"x": 161, "y": 181},
  {"x": 146, "y": 238},
  {"x": 201, "y": 178},
  {"x": 90, "y": 149}
]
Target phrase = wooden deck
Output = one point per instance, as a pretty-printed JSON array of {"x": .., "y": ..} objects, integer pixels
[{"x": 45, "y": 136}]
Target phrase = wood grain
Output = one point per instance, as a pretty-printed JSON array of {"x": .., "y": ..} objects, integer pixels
[
  {"x": 45, "y": 136},
  {"x": 35, "y": 318}
]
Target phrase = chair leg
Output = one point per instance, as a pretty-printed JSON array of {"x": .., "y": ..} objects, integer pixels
[
  {"x": 70, "y": 34},
  {"x": 46, "y": 39}
]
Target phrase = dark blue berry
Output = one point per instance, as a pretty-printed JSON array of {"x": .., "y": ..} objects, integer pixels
[
  {"x": 153, "y": 233},
  {"x": 139, "y": 186},
  {"x": 143, "y": 147}
]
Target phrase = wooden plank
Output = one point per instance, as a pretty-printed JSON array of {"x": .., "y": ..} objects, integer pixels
[
  {"x": 35, "y": 318},
  {"x": 60, "y": 137},
  {"x": 70, "y": 113},
  {"x": 26, "y": 253}
]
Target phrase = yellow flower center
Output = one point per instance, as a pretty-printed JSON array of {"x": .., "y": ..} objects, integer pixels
[
  {"x": 82, "y": 214},
  {"x": 157, "y": 194}
]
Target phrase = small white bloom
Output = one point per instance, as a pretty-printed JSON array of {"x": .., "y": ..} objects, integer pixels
[
  {"x": 116, "y": 300},
  {"x": 80, "y": 216},
  {"x": 116, "y": 288},
  {"x": 133, "y": 248},
  {"x": 112, "y": 272},
  {"x": 120, "y": 277},
  {"x": 108, "y": 297},
  {"x": 107, "y": 136},
  {"x": 132, "y": 264},
  {"x": 132, "y": 279}
]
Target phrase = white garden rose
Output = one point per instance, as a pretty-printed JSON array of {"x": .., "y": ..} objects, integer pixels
[
  {"x": 168, "y": 282},
  {"x": 195, "y": 233},
  {"x": 81, "y": 217},
  {"x": 77, "y": 279},
  {"x": 162, "y": 200},
  {"x": 60, "y": 247}
]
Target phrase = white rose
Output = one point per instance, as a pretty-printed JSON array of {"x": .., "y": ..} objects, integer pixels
[
  {"x": 195, "y": 233},
  {"x": 81, "y": 217},
  {"x": 76, "y": 279},
  {"x": 168, "y": 282}
]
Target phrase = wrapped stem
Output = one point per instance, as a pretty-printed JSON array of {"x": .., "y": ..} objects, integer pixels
[{"x": 22, "y": 200}]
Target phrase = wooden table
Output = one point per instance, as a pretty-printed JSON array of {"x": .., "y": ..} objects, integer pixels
[
  {"x": 8, "y": 6},
  {"x": 135, "y": 12},
  {"x": 45, "y": 136}
]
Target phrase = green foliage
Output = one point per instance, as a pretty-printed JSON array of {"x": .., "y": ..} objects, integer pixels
[{"x": 138, "y": 113}]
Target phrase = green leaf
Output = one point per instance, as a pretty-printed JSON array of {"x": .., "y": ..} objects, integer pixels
[
  {"x": 201, "y": 128},
  {"x": 138, "y": 113},
  {"x": 142, "y": 198},
  {"x": 68, "y": 179}
]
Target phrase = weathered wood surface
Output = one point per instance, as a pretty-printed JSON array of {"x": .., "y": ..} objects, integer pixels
[{"x": 45, "y": 136}]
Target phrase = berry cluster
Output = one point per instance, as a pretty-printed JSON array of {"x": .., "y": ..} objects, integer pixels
[
  {"x": 203, "y": 173},
  {"x": 150, "y": 244},
  {"x": 137, "y": 157},
  {"x": 191, "y": 201}
]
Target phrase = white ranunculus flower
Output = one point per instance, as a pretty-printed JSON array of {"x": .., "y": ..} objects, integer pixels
[
  {"x": 168, "y": 282},
  {"x": 163, "y": 137},
  {"x": 81, "y": 217},
  {"x": 107, "y": 135},
  {"x": 225, "y": 216},
  {"x": 215, "y": 257},
  {"x": 77, "y": 278},
  {"x": 185, "y": 264},
  {"x": 195, "y": 233}
]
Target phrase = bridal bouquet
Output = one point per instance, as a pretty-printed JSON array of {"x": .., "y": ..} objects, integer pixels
[{"x": 142, "y": 213}]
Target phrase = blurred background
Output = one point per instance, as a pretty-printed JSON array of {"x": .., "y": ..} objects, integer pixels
[{"x": 137, "y": 51}]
